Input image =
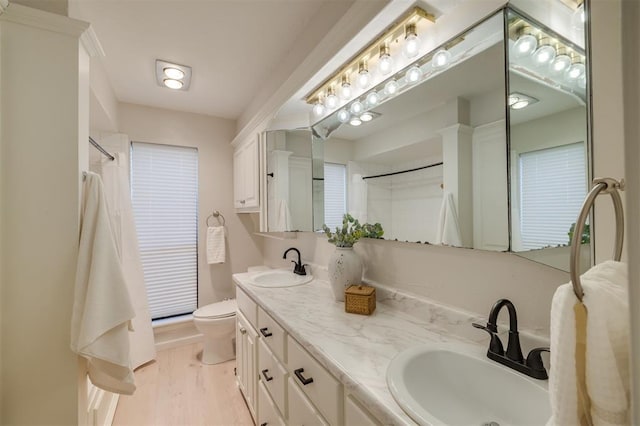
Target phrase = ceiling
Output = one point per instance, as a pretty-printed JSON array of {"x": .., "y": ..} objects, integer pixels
[{"x": 233, "y": 46}]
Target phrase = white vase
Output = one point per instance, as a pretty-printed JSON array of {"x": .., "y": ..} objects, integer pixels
[{"x": 345, "y": 269}]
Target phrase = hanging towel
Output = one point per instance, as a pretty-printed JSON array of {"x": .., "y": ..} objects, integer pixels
[
  {"x": 602, "y": 396},
  {"x": 283, "y": 221},
  {"x": 102, "y": 308},
  {"x": 358, "y": 192},
  {"x": 215, "y": 245},
  {"x": 448, "y": 228}
]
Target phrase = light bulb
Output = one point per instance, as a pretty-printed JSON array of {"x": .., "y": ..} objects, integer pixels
[
  {"x": 414, "y": 74},
  {"x": 355, "y": 121},
  {"x": 332, "y": 100},
  {"x": 385, "y": 63},
  {"x": 364, "y": 78},
  {"x": 441, "y": 59},
  {"x": 513, "y": 99},
  {"x": 575, "y": 71},
  {"x": 173, "y": 73},
  {"x": 356, "y": 108},
  {"x": 343, "y": 115},
  {"x": 391, "y": 88},
  {"x": 411, "y": 42},
  {"x": 172, "y": 84},
  {"x": 525, "y": 45},
  {"x": 560, "y": 63},
  {"x": 373, "y": 98},
  {"x": 318, "y": 109},
  {"x": 345, "y": 88},
  {"x": 367, "y": 116},
  {"x": 520, "y": 104},
  {"x": 544, "y": 54}
]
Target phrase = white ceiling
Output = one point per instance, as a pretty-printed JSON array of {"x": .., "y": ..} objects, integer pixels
[{"x": 233, "y": 46}]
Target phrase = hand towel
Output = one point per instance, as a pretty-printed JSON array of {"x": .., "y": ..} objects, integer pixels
[
  {"x": 448, "y": 228},
  {"x": 606, "y": 357},
  {"x": 215, "y": 245},
  {"x": 102, "y": 309}
]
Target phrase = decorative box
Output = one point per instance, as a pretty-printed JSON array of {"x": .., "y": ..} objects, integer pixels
[{"x": 360, "y": 299}]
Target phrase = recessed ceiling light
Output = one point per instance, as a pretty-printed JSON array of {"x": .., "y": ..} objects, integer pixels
[
  {"x": 173, "y": 84},
  {"x": 355, "y": 121},
  {"x": 367, "y": 116},
  {"x": 520, "y": 104},
  {"x": 173, "y": 73},
  {"x": 518, "y": 100}
]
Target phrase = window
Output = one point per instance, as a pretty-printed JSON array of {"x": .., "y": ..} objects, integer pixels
[
  {"x": 552, "y": 188},
  {"x": 335, "y": 194},
  {"x": 164, "y": 193}
]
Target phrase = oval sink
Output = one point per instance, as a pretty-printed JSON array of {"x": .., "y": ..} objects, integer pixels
[
  {"x": 459, "y": 387},
  {"x": 279, "y": 278}
]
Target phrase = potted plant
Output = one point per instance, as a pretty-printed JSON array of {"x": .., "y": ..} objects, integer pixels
[{"x": 345, "y": 267}]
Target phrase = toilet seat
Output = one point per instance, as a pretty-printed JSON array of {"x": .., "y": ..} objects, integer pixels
[{"x": 224, "y": 309}]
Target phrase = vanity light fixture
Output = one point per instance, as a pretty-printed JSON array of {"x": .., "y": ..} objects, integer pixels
[
  {"x": 356, "y": 108},
  {"x": 545, "y": 52},
  {"x": 332, "y": 100},
  {"x": 318, "y": 108},
  {"x": 173, "y": 76},
  {"x": 561, "y": 62},
  {"x": 414, "y": 74},
  {"x": 441, "y": 59},
  {"x": 526, "y": 43},
  {"x": 577, "y": 68},
  {"x": 391, "y": 87},
  {"x": 343, "y": 115},
  {"x": 373, "y": 99},
  {"x": 377, "y": 55}
]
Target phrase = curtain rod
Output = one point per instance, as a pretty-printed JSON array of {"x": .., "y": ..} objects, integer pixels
[
  {"x": 404, "y": 171},
  {"x": 101, "y": 149}
]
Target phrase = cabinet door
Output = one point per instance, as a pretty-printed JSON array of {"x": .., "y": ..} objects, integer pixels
[
  {"x": 251, "y": 173},
  {"x": 246, "y": 338},
  {"x": 238, "y": 179},
  {"x": 268, "y": 414}
]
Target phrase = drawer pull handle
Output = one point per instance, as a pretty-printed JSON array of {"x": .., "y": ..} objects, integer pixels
[
  {"x": 265, "y": 333},
  {"x": 300, "y": 377},
  {"x": 266, "y": 376}
]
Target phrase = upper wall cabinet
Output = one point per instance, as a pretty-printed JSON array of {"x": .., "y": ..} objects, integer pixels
[{"x": 246, "y": 173}]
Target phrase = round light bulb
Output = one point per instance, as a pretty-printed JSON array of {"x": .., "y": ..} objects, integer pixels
[
  {"x": 414, "y": 74},
  {"x": 343, "y": 115},
  {"x": 560, "y": 63},
  {"x": 173, "y": 73},
  {"x": 345, "y": 91},
  {"x": 385, "y": 64},
  {"x": 575, "y": 71},
  {"x": 172, "y": 84},
  {"x": 520, "y": 104},
  {"x": 367, "y": 116},
  {"x": 373, "y": 98},
  {"x": 525, "y": 45},
  {"x": 544, "y": 54},
  {"x": 356, "y": 108},
  {"x": 331, "y": 101},
  {"x": 363, "y": 79},
  {"x": 355, "y": 121},
  {"x": 512, "y": 99},
  {"x": 411, "y": 46},
  {"x": 391, "y": 88},
  {"x": 441, "y": 59},
  {"x": 318, "y": 109}
]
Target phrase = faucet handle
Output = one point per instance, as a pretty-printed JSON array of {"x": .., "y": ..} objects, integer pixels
[
  {"x": 534, "y": 362},
  {"x": 495, "y": 345}
]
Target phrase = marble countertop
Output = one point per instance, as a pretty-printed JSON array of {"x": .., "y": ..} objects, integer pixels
[{"x": 357, "y": 349}]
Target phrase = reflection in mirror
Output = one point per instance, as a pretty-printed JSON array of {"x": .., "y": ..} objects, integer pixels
[
  {"x": 549, "y": 153},
  {"x": 289, "y": 181},
  {"x": 428, "y": 161}
]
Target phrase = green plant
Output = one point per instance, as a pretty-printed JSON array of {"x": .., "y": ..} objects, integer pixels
[
  {"x": 586, "y": 233},
  {"x": 352, "y": 231}
]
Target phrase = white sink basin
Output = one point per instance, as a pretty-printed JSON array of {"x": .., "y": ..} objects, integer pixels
[
  {"x": 279, "y": 278},
  {"x": 458, "y": 385}
]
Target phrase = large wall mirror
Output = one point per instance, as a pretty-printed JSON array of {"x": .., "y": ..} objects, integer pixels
[{"x": 487, "y": 150}]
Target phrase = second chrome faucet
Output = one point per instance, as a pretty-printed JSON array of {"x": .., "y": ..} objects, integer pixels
[{"x": 512, "y": 357}]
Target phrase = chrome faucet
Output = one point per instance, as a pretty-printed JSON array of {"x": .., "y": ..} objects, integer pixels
[
  {"x": 512, "y": 357},
  {"x": 299, "y": 268}
]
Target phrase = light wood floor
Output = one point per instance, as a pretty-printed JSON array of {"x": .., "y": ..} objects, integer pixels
[{"x": 177, "y": 389}]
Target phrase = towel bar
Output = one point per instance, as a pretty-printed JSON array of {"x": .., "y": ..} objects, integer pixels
[
  {"x": 216, "y": 214},
  {"x": 605, "y": 186}
]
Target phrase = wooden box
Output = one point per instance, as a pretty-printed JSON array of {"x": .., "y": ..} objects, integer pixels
[{"x": 360, "y": 299}]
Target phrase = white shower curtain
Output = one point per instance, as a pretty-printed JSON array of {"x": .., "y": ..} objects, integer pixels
[{"x": 115, "y": 176}]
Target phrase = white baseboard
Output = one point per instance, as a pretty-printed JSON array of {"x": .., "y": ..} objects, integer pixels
[
  {"x": 174, "y": 334},
  {"x": 179, "y": 341}
]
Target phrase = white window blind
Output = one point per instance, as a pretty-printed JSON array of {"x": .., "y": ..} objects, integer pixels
[
  {"x": 335, "y": 194},
  {"x": 164, "y": 193},
  {"x": 552, "y": 188}
]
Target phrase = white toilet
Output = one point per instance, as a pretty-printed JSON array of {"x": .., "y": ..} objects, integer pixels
[{"x": 217, "y": 323}]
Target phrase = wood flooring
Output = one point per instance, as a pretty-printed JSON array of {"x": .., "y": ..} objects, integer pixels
[{"x": 178, "y": 390}]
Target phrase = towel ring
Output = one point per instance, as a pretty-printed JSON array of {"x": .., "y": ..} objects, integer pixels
[
  {"x": 216, "y": 214},
  {"x": 605, "y": 186}
]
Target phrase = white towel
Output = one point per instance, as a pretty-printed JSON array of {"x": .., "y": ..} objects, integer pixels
[
  {"x": 215, "y": 245},
  {"x": 448, "y": 228},
  {"x": 283, "y": 220},
  {"x": 102, "y": 308},
  {"x": 607, "y": 348}
]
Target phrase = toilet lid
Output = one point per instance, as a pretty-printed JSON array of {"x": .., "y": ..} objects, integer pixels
[{"x": 223, "y": 309}]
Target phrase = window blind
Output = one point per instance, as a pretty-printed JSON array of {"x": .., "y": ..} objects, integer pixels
[
  {"x": 164, "y": 194},
  {"x": 335, "y": 194},
  {"x": 552, "y": 188}
]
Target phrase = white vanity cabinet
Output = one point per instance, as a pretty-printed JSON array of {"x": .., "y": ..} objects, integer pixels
[
  {"x": 247, "y": 350},
  {"x": 246, "y": 176}
]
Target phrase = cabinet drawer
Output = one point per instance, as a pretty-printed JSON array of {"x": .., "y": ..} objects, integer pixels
[
  {"x": 324, "y": 391},
  {"x": 301, "y": 411},
  {"x": 356, "y": 414},
  {"x": 273, "y": 376},
  {"x": 273, "y": 335},
  {"x": 268, "y": 414},
  {"x": 247, "y": 306}
]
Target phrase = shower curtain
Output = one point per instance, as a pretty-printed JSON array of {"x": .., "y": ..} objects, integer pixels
[{"x": 115, "y": 176}]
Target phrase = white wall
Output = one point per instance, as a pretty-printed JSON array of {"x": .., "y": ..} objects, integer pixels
[{"x": 212, "y": 137}]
